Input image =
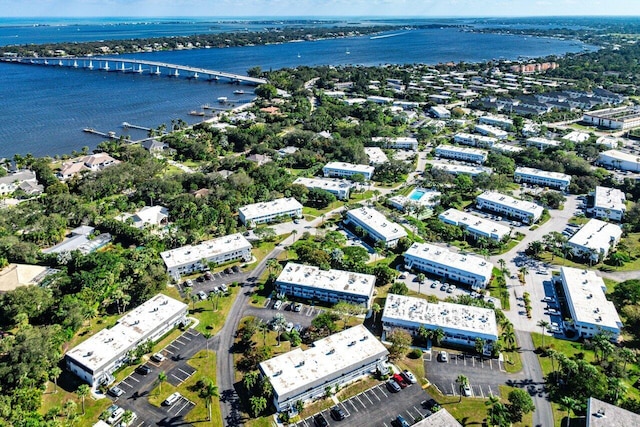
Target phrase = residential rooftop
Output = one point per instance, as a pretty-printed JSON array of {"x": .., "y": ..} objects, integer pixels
[
  {"x": 109, "y": 343},
  {"x": 462, "y": 169},
  {"x": 299, "y": 368},
  {"x": 378, "y": 222},
  {"x": 256, "y": 210},
  {"x": 365, "y": 169},
  {"x": 596, "y": 234},
  {"x": 586, "y": 294},
  {"x": 205, "y": 250},
  {"x": 325, "y": 184},
  {"x": 542, "y": 173},
  {"x": 603, "y": 414},
  {"x": 331, "y": 280},
  {"x": 446, "y": 315},
  {"x": 522, "y": 205},
  {"x": 475, "y": 223},
  {"x": 609, "y": 198},
  {"x": 458, "y": 261}
]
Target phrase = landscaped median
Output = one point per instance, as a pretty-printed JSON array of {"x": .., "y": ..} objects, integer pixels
[{"x": 205, "y": 364}]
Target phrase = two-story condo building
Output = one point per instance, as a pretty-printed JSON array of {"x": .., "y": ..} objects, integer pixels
[
  {"x": 609, "y": 203},
  {"x": 95, "y": 359},
  {"x": 595, "y": 240},
  {"x": 345, "y": 170},
  {"x": 263, "y": 212},
  {"x": 465, "y": 154},
  {"x": 339, "y": 359},
  {"x": 617, "y": 159},
  {"x": 461, "y": 324},
  {"x": 464, "y": 268},
  {"x": 558, "y": 180},
  {"x": 189, "y": 259},
  {"x": 542, "y": 143},
  {"x": 376, "y": 225},
  {"x": 339, "y": 188},
  {"x": 500, "y": 122},
  {"x": 527, "y": 212},
  {"x": 402, "y": 142},
  {"x": 474, "y": 140},
  {"x": 332, "y": 286},
  {"x": 476, "y": 226},
  {"x": 590, "y": 310}
]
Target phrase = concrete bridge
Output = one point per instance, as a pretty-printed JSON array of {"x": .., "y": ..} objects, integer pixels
[{"x": 138, "y": 66}]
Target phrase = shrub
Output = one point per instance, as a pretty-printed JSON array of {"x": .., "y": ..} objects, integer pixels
[{"x": 416, "y": 353}]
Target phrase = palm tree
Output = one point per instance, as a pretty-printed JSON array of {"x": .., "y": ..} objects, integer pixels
[
  {"x": 375, "y": 308},
  {"x": 208, "y": 392},
  {"x": 523, "y": 271},
  {"x": 258, "y": 404},
  {"x": 491, "y": 403},
  {"x": 272, "y": 265},
  {"x": 463, "y": 382},
  {"x": 54, "y": 374},
  {"x": 509, "y": 337},
  {"x": 503, "y": 265},
  {"x": 127, "y": 417},
  {"x": 263, "y": 327},
  {"x": 207, "y": 335},
  {"x": 544, "y": 325},
  {"x": 627, "y": 355},
  {"x": 569, "y": 404},
  {"x": 82, "y": 392},
  {"x": 249, "y": 380},
  {"x": 437, "y": 336},
  {"x": 213, "y": 297},
  {"x": 162, "y": 377}
]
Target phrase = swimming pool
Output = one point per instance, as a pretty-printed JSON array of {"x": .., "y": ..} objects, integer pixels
[{"x": 416, "y": 195}]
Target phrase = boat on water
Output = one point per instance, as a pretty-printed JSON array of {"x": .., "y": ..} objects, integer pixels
[
  {"x": 223, "y": 99},
  {"x": 238, "y": 92},
  {"x": 348, "y": 52},
  {"x": 384, "y": 36},
  {"x": 196, "y": 113}
]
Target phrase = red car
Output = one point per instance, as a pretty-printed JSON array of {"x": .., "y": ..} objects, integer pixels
[{"x": 401, "y": 382}]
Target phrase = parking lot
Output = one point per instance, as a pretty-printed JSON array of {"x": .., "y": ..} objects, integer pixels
[
  {"x": 137, "y": 386},
  {"x": 485, "y": 374},
  {"x": 378, "y": 407}
]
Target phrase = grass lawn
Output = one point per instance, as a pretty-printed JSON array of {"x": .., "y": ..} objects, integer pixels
[
  {"x": 212, "y": 321},
  {"x": 266, "y": 421},
  {"x": 512, "y": 361},
  {"x": 527, "y": 420},
  {"x": 469, "y": 411},
  {"x": 610, "y": 283},
  {"x": 67, "y": 385},
  {"x": 315, "y": 213},
  {"x": 579, "y": 220},
  {"x": 497, "y": 291},
  {"x": 261, "y": 250},
  {"x": 205, "y": 363}
]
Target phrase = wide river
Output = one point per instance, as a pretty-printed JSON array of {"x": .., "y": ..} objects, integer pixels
[{"x": 44, "y": 109}]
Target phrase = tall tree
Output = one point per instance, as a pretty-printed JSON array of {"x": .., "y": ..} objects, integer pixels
[
  {"x": 82, "y": 392},
  {"x": 463, "y": 382},
  {"x": 208, "y": 392}
]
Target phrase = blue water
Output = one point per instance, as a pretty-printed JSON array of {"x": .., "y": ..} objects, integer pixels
[
  {"x": 44, "y": 109},
  {"x": 416, "y": 195}
]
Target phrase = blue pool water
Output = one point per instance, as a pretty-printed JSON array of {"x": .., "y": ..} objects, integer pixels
[{"x": 416, "y": 195}]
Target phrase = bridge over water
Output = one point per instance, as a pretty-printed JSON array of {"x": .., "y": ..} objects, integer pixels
[{"x": 138, "y": 66}]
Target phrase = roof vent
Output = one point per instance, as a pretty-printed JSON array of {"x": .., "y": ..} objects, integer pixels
[
  {"x": 331, "y": 351},
  {"x": 352, "y": 343}
]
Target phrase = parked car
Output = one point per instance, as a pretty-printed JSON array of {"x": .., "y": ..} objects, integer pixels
[
  {"x": 466, "y": 390},
  {"x": 297, "y": 307},
  {"x": 393, "y": 386},
  {"x": 401, "y": 382},
  {"x": 320, "y": 420},
  {"x": 443, "y": 356},
  {"x": 115, "y": 391},
  {"x": 143, "y": 370},
  {"x": 277, "y": 305},
  {"x": 158, "y": 357},
  {"x": 444, "y": 287},
  {"x": 401, "y": 422},
  {"x": 409, "y": 377},
  {"x": 188, "y": 283},
  {"x": 337, "y": 413},
  {"x": 228, "y": 270},
  {"x": 451, "y": 289},
  {"x": 236, "y": 268},
  {"x": 208, "y": 275},
  {"x": 173, "y": 398},
  {"x": 224, "y": 288},
  {"x": 434, "y": 285},
  {"x": 202, "y": 295},
  {"x": 115, "y": 416}
]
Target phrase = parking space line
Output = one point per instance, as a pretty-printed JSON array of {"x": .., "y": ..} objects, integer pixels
[
  {"x": 183, "y": 406},
  {"x": 168, "y": 351},
  {"x": 171, "y": 345},
  {"x": 185, "y": 337},
  {"x": 418, "y": 411},
  {"x": 125, "y": 383},
  {"x": 345, "y": 409},
  {"x": 130, "y": 377},
  {"x": 453, "y": 387},
  {"x": 490, "y": 391},
  {"x": 354, "y": 406},
  {"x": 179, "y": 379},
  {"x": 192, "y": 332},
  {"x": 381, "y": 390},
  {"x": 374, "y": 393},
  {"x": 178, "y": 341},
  {"x": 365, "y": 395},
  {"x": 184, "y": 372}
]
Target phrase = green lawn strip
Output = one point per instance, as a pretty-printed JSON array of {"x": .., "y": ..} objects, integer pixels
[
  {"x": 266, "y": 421},
  {"x": 67, "y": 385},
  {"x": 512, "y": 361},
  {"x": 610, "y": 283},
  {"x": 205, "y": 364},
  {"x": 497, "y": 291},
  {"x": 579, "y": 220},
  {"x": 261, "y": 250},
  {"x": 316, "y": 213},
  {"x": 212, "y": 321}
]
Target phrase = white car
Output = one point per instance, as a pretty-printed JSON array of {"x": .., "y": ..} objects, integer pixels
[
  {"x": 444, "y": 357},
  {"x": 408, "y": 375},
  {"x": 277, "y": 305},
  {"x": 172, "y": 399}
]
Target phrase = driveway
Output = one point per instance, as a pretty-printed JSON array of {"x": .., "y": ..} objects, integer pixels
[{"x": 378, "y": 407}]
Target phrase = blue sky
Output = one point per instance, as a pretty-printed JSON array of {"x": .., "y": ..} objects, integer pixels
[{"x": 283, "y": 8}]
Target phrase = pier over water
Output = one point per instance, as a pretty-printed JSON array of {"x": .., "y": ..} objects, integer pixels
[{"x": 138, "y": 66}]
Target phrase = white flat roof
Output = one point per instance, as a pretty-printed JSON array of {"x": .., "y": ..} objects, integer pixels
[
  {"x": 323, "y": 183},
  {"x": 469, "y": 136},
  {"x": 491, "y": 129},
  {"x": 457, "y": 169},
  {"x": 542, "y": 141},
  {"x": 256, "y": 210},
  {"x": 378, "y": 222},
  {"x": 366, "y": 169},
  {"x": 207, "y": 249},
  {"x": 468, "y": 319},
  {"x": 545, "y": 174},
  {"x": 458, "y": 261},
  {"x": 504, "y": 200},
  {"x": 458, "y": 149},
  {"x": 620, "y": 155},
  {"x": 473, "y": 222},
  {"x": 506, "y": 148},
  {"x": 596, "y": 234},
  {"x": 609, "y": 198},
  {"x": 105, "y": 346},
  {"x": 586, "y": 295},
  {"x": 497, "y": 119},
  {"x": 376, "y": 155},
  {"x": 331, "y": 280},
  {"x": 328, "y": 357},
  {"x": 576, "y": 136}
]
